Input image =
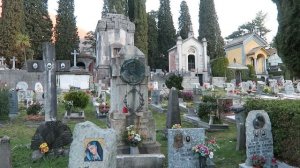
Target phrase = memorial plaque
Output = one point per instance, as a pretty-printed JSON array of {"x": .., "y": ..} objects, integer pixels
[
  {"x": 259, "y": 140},
  {"x": 132, "y": 71},
  {"x": 180, "y": 143}
]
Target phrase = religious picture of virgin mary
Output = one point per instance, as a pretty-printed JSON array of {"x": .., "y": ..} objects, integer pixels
[{"x": 93, "y": 151}]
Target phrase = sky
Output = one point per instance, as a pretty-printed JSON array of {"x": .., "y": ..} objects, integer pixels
[{"x": 231, "y": 13}]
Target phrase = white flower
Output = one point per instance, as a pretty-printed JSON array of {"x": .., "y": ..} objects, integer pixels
[{"x": 211, "y": 155}]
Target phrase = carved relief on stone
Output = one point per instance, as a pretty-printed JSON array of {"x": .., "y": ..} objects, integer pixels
[{"x": 191, "y": 51}]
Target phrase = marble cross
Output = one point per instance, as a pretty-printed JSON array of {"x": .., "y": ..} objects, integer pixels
[
  {"x": 2, "y": 59},
  {"x": 14, "y": 62},
  {"x": 74, "y": 54}
]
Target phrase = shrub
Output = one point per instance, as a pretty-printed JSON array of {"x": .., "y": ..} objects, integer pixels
[
  {"x": 209, "y": 106},
  {"x": 4, "y": 103},
  {"x": 285, "y": 117},
  {"x": 80, "y": 99},
  {"x": 34, "y": 109},
  {"x": 187, "y": 96},
  {"x": 174, "y": 81},
  {"x": 219, "y": 66}
]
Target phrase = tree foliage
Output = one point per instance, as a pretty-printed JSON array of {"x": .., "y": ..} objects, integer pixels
[
  {"x": 12, "y": 23},
  {"x": 89, "y": 41},
  {"x": 184, "y": 20},
  {"x": 288, "y": 35},
  {"x": 257, "y": 25},
  {"x": 166, "y": 32},
  {"x": 137, "y": 14},
  {"x": 66, "y": 35},
  {"x": 22, "y": 43},
  {"x": 174, "y": 81},
  {"x": 219, "y": 67},
  {"x": 153, "y": 60},
  {"x": 38, "y": 25},
  {"x": 209, "y": 29},
  {"x": 119, "y": 5}
]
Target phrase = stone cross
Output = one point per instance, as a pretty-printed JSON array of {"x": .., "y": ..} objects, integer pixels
[
  {"x": 14, "y": 62},
  {"x": 2, "y": 59},
  {"x": 74, "y": 54}
]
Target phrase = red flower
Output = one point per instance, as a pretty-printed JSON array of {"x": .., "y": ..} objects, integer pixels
[{"x": 125, "y": 110}]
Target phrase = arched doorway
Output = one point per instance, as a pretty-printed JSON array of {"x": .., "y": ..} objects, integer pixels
[
  {"x": 191, "y": 62},
  {"x": 81, "y": 65}
]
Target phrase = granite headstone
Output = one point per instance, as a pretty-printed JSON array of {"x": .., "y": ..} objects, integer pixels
[
  {"x": 259, "y": 140},
  {"x": 173, "y": 114},
  {"x": 155, "y": 97},
  {"x": 13, "y": 103},
  {"x": 289, "y": 88},
  {"x": 180, "y": 143},
  {"x": 93, "y": 147}
]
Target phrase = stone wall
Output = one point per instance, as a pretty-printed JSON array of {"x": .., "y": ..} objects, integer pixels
[{"x": 12, "y": 77}]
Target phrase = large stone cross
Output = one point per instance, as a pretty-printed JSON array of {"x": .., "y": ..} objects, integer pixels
[
  {"x": 75, "y": 53},
  {"x": 14, "y": 62},
  {"x": 49, "y": 65}
]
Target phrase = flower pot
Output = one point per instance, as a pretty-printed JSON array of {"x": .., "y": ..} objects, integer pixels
[
  {"x": 202, "y": 162},
  {"x": 134, "y": 150}
]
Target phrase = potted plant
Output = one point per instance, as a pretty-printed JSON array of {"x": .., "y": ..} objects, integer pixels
[
  {"x": 80, "y": 100},
  {"x": 205, "y": 150},
  {"x": 133, "y": 139},
  {"x": 258, "y": 161}
]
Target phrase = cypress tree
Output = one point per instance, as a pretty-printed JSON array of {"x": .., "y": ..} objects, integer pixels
[
  {"x": 209, "y": 29},
  {"x": 137, "y": 14},
  {"x": 166, "y": 32},
  {"x": 153, "y": 58},
  {"x": 66, "y": 35},
  {"x": 38, "y": 25},
  {"x": 119, "y": 5},
  {"x": 12, "y": 24},
  {"x": 184, "y": 20},
  {"x": 287, "y": 39}
]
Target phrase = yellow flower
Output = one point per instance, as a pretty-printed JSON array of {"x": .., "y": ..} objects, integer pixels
[{"x": 44, "y": 147}]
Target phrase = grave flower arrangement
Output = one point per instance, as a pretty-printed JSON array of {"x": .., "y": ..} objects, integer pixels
[
  {"x": 133, "y": 138},
  {"x": 206, "y": 149},
  {"x": 104, "y": 108},
  {"x": 258, "y": 161},
  {"x": 176, "y": 126},
  {"x": 44, "y": 147}
]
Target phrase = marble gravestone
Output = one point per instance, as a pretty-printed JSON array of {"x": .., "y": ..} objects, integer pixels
[
  {"x": 260, "y": 87},
  {"x": 92, "y": 147},
  {"x": 289, "y": 88},
  {"x": 155, "y": 97},
  {"x": 21, "y": 89},
  {"x": 180, "y": 143},
  {"x": 259, "y": 140}
]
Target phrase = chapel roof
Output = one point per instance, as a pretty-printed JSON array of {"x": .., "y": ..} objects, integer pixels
[{"x": 240, "y": 40}]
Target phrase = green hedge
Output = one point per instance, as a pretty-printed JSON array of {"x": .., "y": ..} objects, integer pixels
[
  {"x": 80, "y": 99},
  {"x": 4, "y": 103},
  {"x": 285, "y": 120}
]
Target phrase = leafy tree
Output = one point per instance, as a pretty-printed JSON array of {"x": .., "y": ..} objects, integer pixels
[
  {"x": 256, "y": 25},
  {"x": 184, "y": 20},
  {"x": 119, "y": 5},
  {"x": 22, "y": 42},
  {"x": 209, "y": 29},
  {"x": 137, "y": 14},
  {"x": 90, "y": 41},
  {"x": 288, "y": 35},
  {"x": 174, "y": 81},
  {"x": 166, "y": 32},
  {"x": 219, "y": 67},
  {"x": 153, "y": 58},
  {"x": 66, "y": 35},
  {"x": 12, "y": 23},
  {"x": 38, "y": 24}
]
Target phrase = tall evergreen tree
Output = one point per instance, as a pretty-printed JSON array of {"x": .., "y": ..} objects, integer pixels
[
  {"x": 288, "y": 36},
  {"x": 120, "y": 6},
  {"x": 38, "y": 24},
  {"x": 12, "y": 24},
  {"x": 153, "y": 58},
  {"x": 66, "y": 35},
  {"x": 166, "y": 32},
  {"x": 138, "y": 15},
  {"x": 209, "y": 29},
  {"x": 256, "y": 25},
  {"x": 184, "y": 20}
]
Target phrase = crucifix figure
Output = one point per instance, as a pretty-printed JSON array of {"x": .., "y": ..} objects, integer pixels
[
  {"x": 2, "y": 59},
  {"x": 74, "y": 54},
  {"x": 14, "y": 62}
]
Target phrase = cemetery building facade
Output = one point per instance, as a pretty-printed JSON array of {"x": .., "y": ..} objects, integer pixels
[
  {"x": 249, "y": 50},
  {"x": 190, "y": 55}
]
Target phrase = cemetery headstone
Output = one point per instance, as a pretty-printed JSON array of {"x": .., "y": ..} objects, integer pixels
[
  {"x": 298, "y": 87},
  {"x": 155, "y": 97},
  {"x": 39, "y": 90},
  {"x": 180, "y": 143},
  {"x": 229, "y": 87},
  {"x": 289, "y": 88},
  {"x": 259, "y": 140},
  {"x": 240, "y": 117},
  {"x": 260, "y": 87},
  {"x": 5, "y": 152},
  {"x": 13, "y": 103},
  {"x": 244, "y": 87},
  {"x": 2, "y": 63},
  {"x": 93, "y": 147},
  {"x": 173, "y": 114},
  {"x": 21, "y": 88},
  {"x": 14, "y": 60},
  {"x": 274, "y": 88}
]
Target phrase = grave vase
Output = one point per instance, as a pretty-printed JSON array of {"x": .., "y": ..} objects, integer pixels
[
  {"x": 202, "y": 162},
  {"x": 134, "y": 150}
]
